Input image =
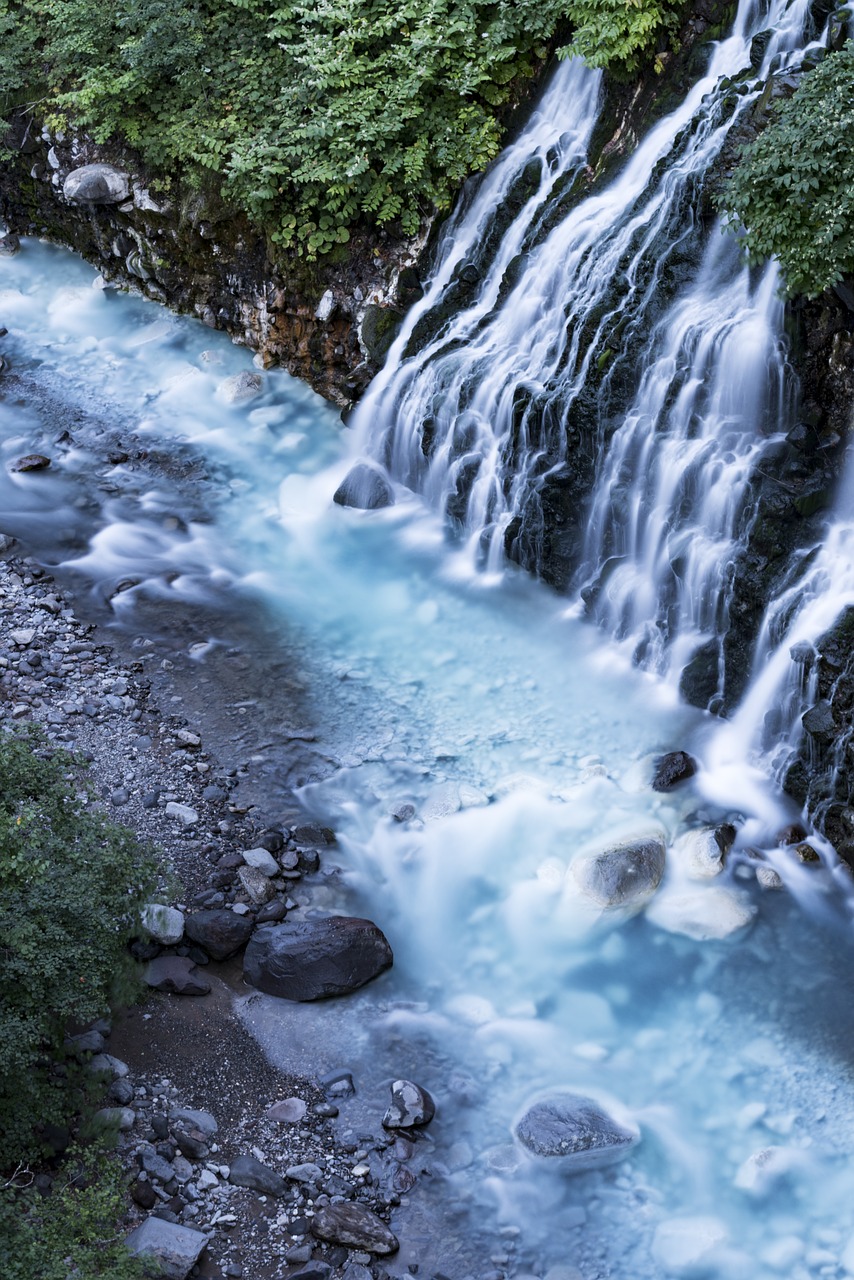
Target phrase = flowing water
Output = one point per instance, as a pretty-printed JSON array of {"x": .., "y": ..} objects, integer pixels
[{"x": 520, "y": 738}]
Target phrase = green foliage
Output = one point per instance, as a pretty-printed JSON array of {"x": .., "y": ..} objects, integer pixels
[
  {"x": 71, "y": 886},
  {"x": 72, "y": 1233},
  {"x": 793, "y": 190},
  {"x": 311, "y": 115}
]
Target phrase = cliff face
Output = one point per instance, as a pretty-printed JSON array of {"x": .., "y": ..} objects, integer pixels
[{"x": 328, "y": 323}]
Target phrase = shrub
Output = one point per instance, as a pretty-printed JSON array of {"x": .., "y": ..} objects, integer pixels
[{"x": 793, "y": 189}]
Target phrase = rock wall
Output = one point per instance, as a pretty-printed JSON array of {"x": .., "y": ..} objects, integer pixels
[{"x": 329, "y": 324}]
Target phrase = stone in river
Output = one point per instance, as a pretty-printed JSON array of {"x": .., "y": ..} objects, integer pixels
[
  {"x": 673, "y": 768},
  {"x": 176, "y": 974},
  {"x": 220, "y": 932},
  {"x": 354, "y": 1226},
  {"x": 819, "y": 722},
  {"x": 706, "y": 914},
  {"x": 312, "y": 959},
  {"x": 411, "y": 1106},
  {"x": 30, "y": 462},
  {"x": 575, "y": 1132},
  {"x": 246, "y": 1171},
  {"x": 702, "y": 852},
  {"x": 241, "y": 387},
  {"x": 364, "y": 487},
  {"x": 623, "y": 876},
  {"x": 687, "y": 1246},
  {"x": 96, "y": 184},
  {"x": 174, "y": 1249}
]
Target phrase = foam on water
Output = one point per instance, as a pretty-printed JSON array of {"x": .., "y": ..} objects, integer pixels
[{"x": 522, "y": 741}]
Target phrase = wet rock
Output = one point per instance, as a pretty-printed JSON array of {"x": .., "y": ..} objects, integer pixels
[
  {"x": 221, "y": 933},
  {"x": 706, "y": 914},
  {"x": 96, "y": 184},
  {"x": 819, "y": 723},
  {"x": 702, "y": 852},
  {"x": 624, "y": 875},
  {"x": 687, "y": 1246},
  {"x": 365, "y": 488},
  {"x": 411, "y": 1106},
  {"x": 354, "y": 1226},
  {"x": 805, "y": 853},
  {"x": 164, "y": 924},
  {"x": 177, "y": 975},
  {"x": 241, "y": 387},
  {"x": 313, "y": 959},
  {"x": 792, "y": 834},
  {"x": 9, "y": 244},
  {"x": 575, "y": 1132},
  {"x": 30, "y": 462},
  {"x": 764, "y": 1170},
  {"x": 173, "y": 1249},
  {"x": 671, "y": 769},
  {"x": 246, "y": 1171}
]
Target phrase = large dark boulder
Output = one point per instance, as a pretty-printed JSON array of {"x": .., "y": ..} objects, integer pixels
[
  {"x": 312, "y": 959},
  {"x": 672, "y": 769},
  {"x": 365, "y": 488},
  {"x": 354, "y": 1226},
  {"x": 221, "y": 933},
  {"x": 575, "y": 1132},
  {"x": 624, "y": 875}
]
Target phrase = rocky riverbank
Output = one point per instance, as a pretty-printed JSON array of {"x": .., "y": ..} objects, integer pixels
[{"x": 233, "y": 1167}]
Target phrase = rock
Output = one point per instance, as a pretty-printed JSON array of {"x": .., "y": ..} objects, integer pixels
[
  {"x": 164, "y": 924},
  {"x": 174, "y": 1249},
  {"x": 272, "y": 913},
  {"x": 241, "y": 387},
  {"x": 411, "y": 1106},
  {"x": 306, "y": 1172},
  {"x": 763, "y": 1171},
  {"x": 819, "y": 723},
  {"x": 177, "y": 975},
  {"x": 156, "y": 1166},
  {"x": 220, "y": 932},
  {"x": 187, "y": 1118},
  {"x": 671, "y": 769},
  {"x": 259, "y": 887},
  {"x": 263, "y": 860},
  {"x": 114, "y": 1067},
  {"x": 768, "y": 878},
  {"x": 625, "y": 875},
  {"x": 806, "y": 853},
  {"x": 96, "y": 184},
  {"x": 705, "y": 914},
  {"x": 365, "y": 488},
  {"x": 354, "y": 1226},
  {"x": 185, "y": 815},
  {"x": 119, "y": 1118},
  {"x": 86, "y": 1042},
  {"x": 575, "y": 1132},
  {"x": 325, "y": 307},
  {"x": 792, "y": 834},
  {"x": 121, "y": 1091},
  {"x": 30, "y": 462},
  {"x": 289, "y": 1111},
  {"x": 686, "y": 1246},
  {"x": 9, "y": 244},
  {"x": 313, "y": 959},
  {"x": 246, "y": 1171},
  {"x": 143, "y": 1194},
  {"x": 702, "y": 852}
]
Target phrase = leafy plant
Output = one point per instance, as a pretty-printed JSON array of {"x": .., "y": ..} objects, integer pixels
[{"x": 792, "y": 193}]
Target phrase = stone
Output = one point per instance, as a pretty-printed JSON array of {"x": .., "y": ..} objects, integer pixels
[
  {"x": 763, "y": 1171},
  {"x": 259, "y": 887},
  {"x": 671, "y": 769},
  {"x": 313, "y": 959},
  {"x": 96, "y": 184},
  {"x": 819, "y": 723},
  {"x": 575, "y": 1133},
  {"x": 23, "y": 636},
  {"x": 185, "y": 815},
  {"x": 119, "y": 1118},
  {"x": 289, "y": 1111},
  {"x": 9, "y": 244},
  {"x": 176, "y": 975},
  {"x": 625, "y": 875},
  {"x": 143, "y": 1194},
  {"x": 114, "y": 1067},
  {"x": 164, "y": 924},
  {"x": 411, "y": 1106},
  {"x": 355, "y": 1227},
  {"x": 174, "y": 1249},
  {"x": 272, "y": 913},
  {"x": 701, "y": 853},
  {"x": 156, "y": 1166},
  {"x": 30, "y": 462},
  {"x": 805, "y": 853},
  {"x": 241, "y": 387},
  {"x": 262, "y": 860},
  {"x": 365, "y": 488},
  {"x": 220, "y": 932},
  {"x": 247, "y": 1171},
  {"x": 705, "y": 914},
  {"x": 187, "y": 1118},
  {"x": 306, "y": 1172},
  {"x": 325, "y": 307}
]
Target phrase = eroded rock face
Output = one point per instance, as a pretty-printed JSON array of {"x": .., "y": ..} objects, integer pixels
[
  {"x": 575, "y": 1132},
  {"x": 313, "y": 959},
  {"x": 623, "y": 876}
]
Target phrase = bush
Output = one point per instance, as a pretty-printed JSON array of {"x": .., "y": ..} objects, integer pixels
[
  {"x": 71, "y": 887},
  {"x": 793, "y": 190}
]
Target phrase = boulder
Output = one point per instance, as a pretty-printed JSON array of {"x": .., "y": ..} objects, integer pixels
[
  {"x": 575, "y": 1133},
  {"x": 259, "y": 887},
  {"x": 364, "y": 487},
  {"x": 241, "y": 387},
  {"x": 176, "y": 975},
  {"x": 187, "y": 1118},
  {"x": 174, "y": 1249},
  {"x": 263, "y": 860},
  {"x": 687, "y": 1246},
  {"x": 164, "y": 924},
  {"x": 624, "y": 875},
  {"x": 220, "y": 932},
  {"x": 312, "y": 959},
  {"x": 411, "y": 1106},
  {"x": 30, "y": 462},
  {"x": 705, "y": 914},
  {"x": 97, "y": 184},
  {"x": 702, "y": 853},
  {"x": 671, "y": 769},
  {"x": 355, "y": 1227},
  {"x": 246, "y": 1171},
  {"x": 819, "y": 723}
]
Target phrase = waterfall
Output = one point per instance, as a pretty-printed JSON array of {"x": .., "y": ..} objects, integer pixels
[{"x": 614, "y": 343}]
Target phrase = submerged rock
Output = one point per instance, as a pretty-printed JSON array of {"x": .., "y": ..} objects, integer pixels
[
  {"x": 313, "y": 959},
  {"x": 241, "y": 387},
  {"x": 624, "y": 875},
  {"x": 673, "y": 768},
  {"x": 705, "y": 914},
  {"x": 411, "y": 1106},
  {"x": 575, "y": 1132},
  {"x": 96, "y": 184},
  {"x": 364, "y": 488},
  {"x": 686, "y": 1246}
]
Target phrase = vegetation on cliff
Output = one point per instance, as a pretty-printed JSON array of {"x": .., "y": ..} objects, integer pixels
[
  {"x": 310, "y": 116},
  {"x": 793, "y": 190}
]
